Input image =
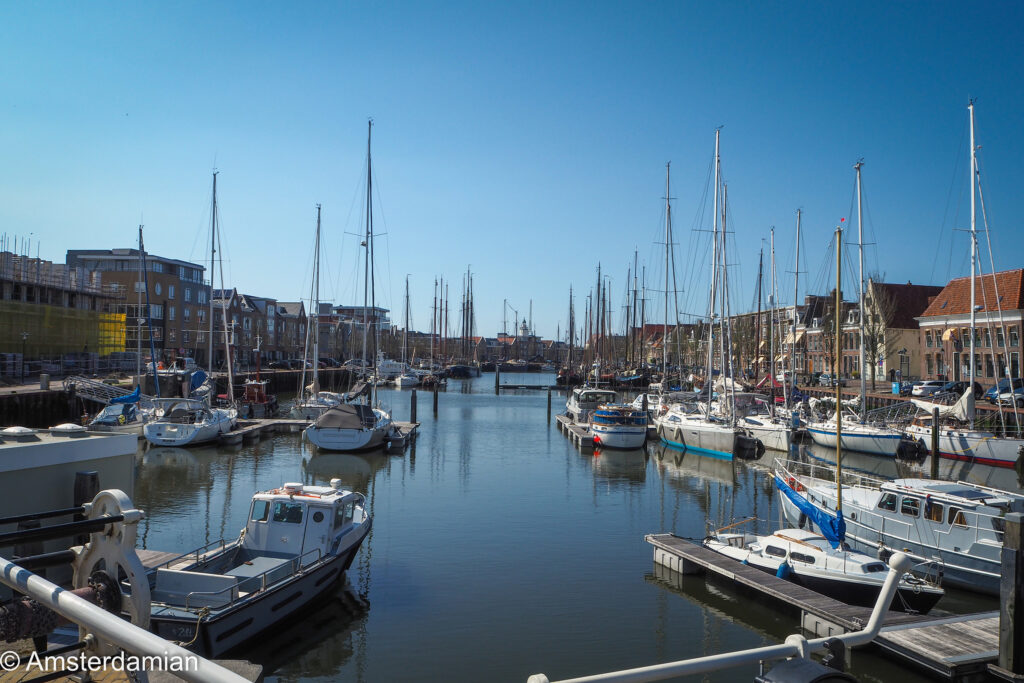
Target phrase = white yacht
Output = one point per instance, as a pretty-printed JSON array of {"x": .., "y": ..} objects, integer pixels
[
  {"x": 297, "y": 543},
  {"x": 350, "y": 427},
  {"x": 958, "y": 526},
  {"x": 808, "y": 559},
  {"x": 187, "y": 422},
  {"x": 585, "y": 400},
  {"x": 617, "y": 425},
  {"x": 857, "y": 435}
]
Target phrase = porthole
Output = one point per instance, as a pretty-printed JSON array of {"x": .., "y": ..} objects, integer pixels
[{"x": 318, "y": 516}]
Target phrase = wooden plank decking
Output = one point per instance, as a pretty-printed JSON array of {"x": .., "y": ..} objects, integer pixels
[{"x": 957, "y": 648}]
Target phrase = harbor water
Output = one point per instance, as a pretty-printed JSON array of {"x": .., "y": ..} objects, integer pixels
[{"x": 498, "y": 550}]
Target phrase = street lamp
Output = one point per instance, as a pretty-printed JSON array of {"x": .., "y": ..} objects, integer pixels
[{"x": 24, "y": 337}]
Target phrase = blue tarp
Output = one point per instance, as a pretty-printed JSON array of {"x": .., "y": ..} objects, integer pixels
[
  {"x": 198, "y": 377},
  {"x": 833, "y": 527},
  {"x": 129, "y": 398}
]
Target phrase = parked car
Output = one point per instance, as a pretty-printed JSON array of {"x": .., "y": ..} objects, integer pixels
[
  {"x": 329, "y": 363},
  {"x": 826, "y": 380},
  {"x": 278, "y": 365},
  {"x": 928, "y": 387},
  {"x": 906, "y": 388},
  {"x": 957, "y": 389},
  {"x": 1012, "y": 395},
  {"x": 1001, "y": 387}
]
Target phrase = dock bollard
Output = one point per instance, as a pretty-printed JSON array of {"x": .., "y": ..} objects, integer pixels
[
  {"x": 1011, "y": 597},
  {"x": 549, "y": 404},
  {"x": 435, "y": 400},
  {"x": 412, "y": 406},
  {"x": 497, "y": 378},
  {"x": 935, "y": 443}
]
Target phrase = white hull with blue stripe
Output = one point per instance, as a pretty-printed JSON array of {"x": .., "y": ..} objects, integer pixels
[{"x": 857, "y": 437}]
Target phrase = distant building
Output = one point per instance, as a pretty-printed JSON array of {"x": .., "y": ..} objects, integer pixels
[
  {"x": 944, "y": 336},
  {"x": 177, "y": 294}
]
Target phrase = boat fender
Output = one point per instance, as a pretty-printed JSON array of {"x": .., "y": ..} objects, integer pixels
[
  {"x": 802, "y": 521},
  {"x": 784, "y": 571},
  {"x": 884, "y": 553}
]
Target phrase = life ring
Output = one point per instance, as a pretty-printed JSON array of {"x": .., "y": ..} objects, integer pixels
[{"x": 121, "y": 419}]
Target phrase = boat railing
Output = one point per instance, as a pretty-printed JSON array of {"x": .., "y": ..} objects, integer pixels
[
  {"x": 297, "y": 564},
  {"x": 199, "y": 554}
]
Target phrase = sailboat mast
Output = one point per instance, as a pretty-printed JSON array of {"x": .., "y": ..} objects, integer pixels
[
  {"x": 316, "y": 308},
  {"x": 796, "y": 304},
  {"x": 771, "y": 318},
  {"x": 213, "y": 251},
  {"x": 974, "y": 252},
  {"x": 714, "y": 278},
  {"x": 860, "y": 296},
  {"x": 668, "y": 235},
  {"x": 835, "y": 369},
  {"x": 757, "y": 321},
  {"x": 138, "y": 316},
  {"x": 405, "y": 331}
]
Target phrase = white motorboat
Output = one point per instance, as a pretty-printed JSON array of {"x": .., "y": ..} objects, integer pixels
[
  {"x": 584, "y": 400},
  {"x": 958, "y": 525},
  {"x": 808, "y": 559},
  {"x": 297, "y": 543},
  {"x": 407, "y": 381},
  {"x": 773, "y": 432},
  {"x": 857, "y": 436},
  {"x": 187, "y": 422},
  {"x": 617, "y": 425},
  {"x": 350, "y": 427}
]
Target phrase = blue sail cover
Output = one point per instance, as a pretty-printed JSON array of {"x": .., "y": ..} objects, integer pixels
[
  {"x": 198, "y": 377},
  {"x": 833, "y": 527},
  {"x": 129, "y": 398}
]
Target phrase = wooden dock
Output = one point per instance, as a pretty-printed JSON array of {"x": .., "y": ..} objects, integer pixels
[
  {"x": 957, "y": 648},
  {"x": 578, "y": 434}
]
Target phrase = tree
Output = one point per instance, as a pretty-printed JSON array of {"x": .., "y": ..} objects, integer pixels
[{"x": 879, "y": 309}]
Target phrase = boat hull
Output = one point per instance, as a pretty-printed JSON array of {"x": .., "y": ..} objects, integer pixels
[
  {"x": 180, "y": 434},
  {"x": 879, "y": 444},
  {"x": 696, "y": 435},
  {"x": 222, "y": 632},
  {"x": 619, "y": 436},
  {"x": 984, "y": 448},
  {"x": 344, "y": 440}
]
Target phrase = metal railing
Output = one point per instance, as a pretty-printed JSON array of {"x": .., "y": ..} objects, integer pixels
[
  {"x": 112, "y": 627},
  {"x": 297, "y": 565},
  {"x": 794, "y": 646}
]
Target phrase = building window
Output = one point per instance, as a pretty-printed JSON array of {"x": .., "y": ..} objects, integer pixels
[
  {"x": 185, "y": 336},
  {"x": 157, "y": 288},
  {"x": 181, "y": 272},
  {"x": 158, "y": 267},
  {"x": 170, "y": 291},
  {"x": 928, "y": 339},
  {"x": 170, "y": 312},
  {"x": 171, "y": 335},
  {"x": 989, "y": 368},
  {"x": 1014, "y": 364},
  {"x": 928, "y": 365},
  {"x": 188, "y": 294},
  {"x": 186, "y": 314},
  {"x": 157, "y": 310},
  {"x": 988, "y": 338},
  {"x": 1013, "y": 335},
  {"x": 1000, "y": 339}
]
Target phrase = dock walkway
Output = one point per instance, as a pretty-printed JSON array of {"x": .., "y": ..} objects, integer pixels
[
  {"x": 957, "y": 648},
  {"x": 252, "y": 429}
]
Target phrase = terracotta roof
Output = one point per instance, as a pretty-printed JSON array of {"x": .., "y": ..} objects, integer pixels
[
  {"x": 955, "y": 298},
  {"x": 908, "y": 301}
]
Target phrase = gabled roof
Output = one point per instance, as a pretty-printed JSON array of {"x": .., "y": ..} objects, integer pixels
[
  {"x": 907, "y": 301},
  {"x": 955, "y": 297},
  {"x": 294, "y": 308}
]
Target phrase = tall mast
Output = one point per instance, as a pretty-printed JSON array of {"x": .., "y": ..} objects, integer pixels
[
  {"x": 316, "y": 308},
  {"x": 757, "y": 324},
  {"x": 796, "y": 304},
  {"x": 366, "y": 246},
  {"x": 149, "y": 316},
  {"x": 714, "y": 279},
  {"x": 634, "y": 356},
  {"x": 138, "y": 315},
  {"x": 974, "y": 249},
  {"x": 860, "y": 296},
  {"x": 405, "y": 332},
  {"x": 835, "y": 370},
  {"x": 668, "y": 237},
  {"x": 213, "y": 251}
]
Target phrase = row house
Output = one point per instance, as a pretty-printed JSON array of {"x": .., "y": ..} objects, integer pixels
[{"x": 945, "y": 328}]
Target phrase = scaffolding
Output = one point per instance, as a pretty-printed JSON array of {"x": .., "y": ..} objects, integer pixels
[{"x": 48, "y": 331}]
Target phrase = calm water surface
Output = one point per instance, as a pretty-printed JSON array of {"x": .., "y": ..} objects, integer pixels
[{"x": 498, "y": 550}]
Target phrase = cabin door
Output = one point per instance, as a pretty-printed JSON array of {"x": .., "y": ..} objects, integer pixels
[{"x": 318, "y": 529}]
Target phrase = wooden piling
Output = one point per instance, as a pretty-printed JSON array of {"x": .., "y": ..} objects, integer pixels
[
  {"x": 549, "y": 404},
  {"x": 1011, "y": 597},
  {"x": 412, "y": 406},
  {"x": 497, "y": 378},
  {"x": 935, "y": 443},
  {"x": 435, "y": 400}
]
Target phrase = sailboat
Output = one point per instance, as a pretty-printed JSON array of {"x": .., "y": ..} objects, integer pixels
[
  {"x": 357, "y": 426},
  {"x": 312, "y": 403},
  {"x": 191, "y": 421},
  {"x": 959, "y": 439},
  {"x": 858, "y": 433},
  {"x": 706, "y": 429},
  {"x": 407, "y": 379},
  {"x": 955, "y": 524}
]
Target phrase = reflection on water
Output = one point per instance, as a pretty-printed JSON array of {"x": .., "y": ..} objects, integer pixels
[{"x": 497, "y": 550}]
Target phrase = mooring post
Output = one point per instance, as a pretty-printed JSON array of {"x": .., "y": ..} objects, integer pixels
[
  {"x": 87, "y": 485},
  {"x": 497, "y": 377},
  {"x": 1011, "y": 596},
  {"x": 412, "y": 406},
  {"x": 435, "y": 400},
  {"x": 935, "y": 443},
  {"x": 549, "y": 404}
]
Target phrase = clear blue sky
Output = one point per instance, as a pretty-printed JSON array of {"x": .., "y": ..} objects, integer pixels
[{"x": 526, "y": 139}]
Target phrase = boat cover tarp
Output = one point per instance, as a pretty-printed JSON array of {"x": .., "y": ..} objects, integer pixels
[
  {"x": 198, "y": 378},
  {"x": 833, "y": 527},
  {"x": 347, "y": 416},
  {"x": 357, "y": 391},
  {"x": 129, "y": 398},
  {"x": 961, "y": 410},
  {"x": 770, "y": 381}
]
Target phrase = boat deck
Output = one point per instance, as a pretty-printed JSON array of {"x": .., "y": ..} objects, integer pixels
[
  {"x": 581, "y": 435},
  {"x": 957, "y": 648},
  {"x": 256, "y": 428}
]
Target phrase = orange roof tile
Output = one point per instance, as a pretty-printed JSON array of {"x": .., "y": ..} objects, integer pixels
[{"x": 955, "y": 298}]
